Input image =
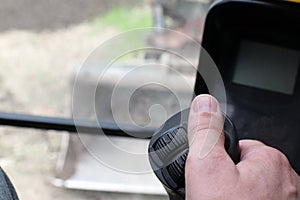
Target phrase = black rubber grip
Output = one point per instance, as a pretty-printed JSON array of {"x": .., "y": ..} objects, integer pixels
[{"x": 168, "y": 150}]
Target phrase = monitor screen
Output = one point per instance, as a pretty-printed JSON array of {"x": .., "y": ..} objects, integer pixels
[{"x": 266, "y": 66}]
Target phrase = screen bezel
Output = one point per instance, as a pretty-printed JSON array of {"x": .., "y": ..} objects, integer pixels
[
  {"x": 272, "y": 22},
  {"x": 224, "y": 33}
]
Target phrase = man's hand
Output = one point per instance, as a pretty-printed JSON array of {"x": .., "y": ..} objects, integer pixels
[{"x": 262, "y": 173}]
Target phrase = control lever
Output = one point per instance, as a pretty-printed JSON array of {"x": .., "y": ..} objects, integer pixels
[{"x": 168, "y": 150}]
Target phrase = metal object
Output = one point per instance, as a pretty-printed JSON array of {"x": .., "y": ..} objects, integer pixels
[
  {"x": 76, "y": 166},
  {"x": 77, "y": 169},
  {"x": 64, "y": 124}
]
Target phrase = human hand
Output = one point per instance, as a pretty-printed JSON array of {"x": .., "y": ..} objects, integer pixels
[{"x": 262, "y": 173}]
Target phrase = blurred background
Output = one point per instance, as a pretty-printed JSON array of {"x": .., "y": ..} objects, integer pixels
[{"x": 43, "y": 42}]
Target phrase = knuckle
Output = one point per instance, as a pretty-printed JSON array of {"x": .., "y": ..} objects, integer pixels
[
  {"x": 275, "y": 156},
  {"x": 254, "y": 142}
]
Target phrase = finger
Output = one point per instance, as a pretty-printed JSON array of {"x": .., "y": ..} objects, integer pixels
[
  {"x": 255, "y": 152},
  {"x": 207, "y": 164},
  {"x": 205, "y": 133},
  {"x": 247, "y": 147},
  {"x": 205, "y": 128},
  {"x": 256, "y": 156}
]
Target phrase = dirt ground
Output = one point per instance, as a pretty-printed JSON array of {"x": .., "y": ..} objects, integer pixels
[{"x": 37, "y": 57}]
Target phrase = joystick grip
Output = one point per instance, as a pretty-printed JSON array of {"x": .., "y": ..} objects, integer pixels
[{"x": 168, "y": 150}]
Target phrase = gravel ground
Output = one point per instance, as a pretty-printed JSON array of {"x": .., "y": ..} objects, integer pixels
[
  {"x": 40, "y": 43},
  {"x": 51, "y": 15},
  {"x": 34, "y": 78}
]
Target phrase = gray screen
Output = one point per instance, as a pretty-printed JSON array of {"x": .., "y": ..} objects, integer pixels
[{"x": 267, "y": 67}]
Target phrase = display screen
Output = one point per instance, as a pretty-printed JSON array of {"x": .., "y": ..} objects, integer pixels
[{"x": 267, "y": 67}]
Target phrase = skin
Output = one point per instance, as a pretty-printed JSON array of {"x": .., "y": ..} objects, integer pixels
[{"x": 263, "y": 172}]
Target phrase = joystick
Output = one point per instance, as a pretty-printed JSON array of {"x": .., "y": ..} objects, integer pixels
[{"x": 168, "y": 150}]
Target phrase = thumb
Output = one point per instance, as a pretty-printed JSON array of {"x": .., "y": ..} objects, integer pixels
[
  {"x": 208, "y": 165},
  {"x": 205, "y": 129}
]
